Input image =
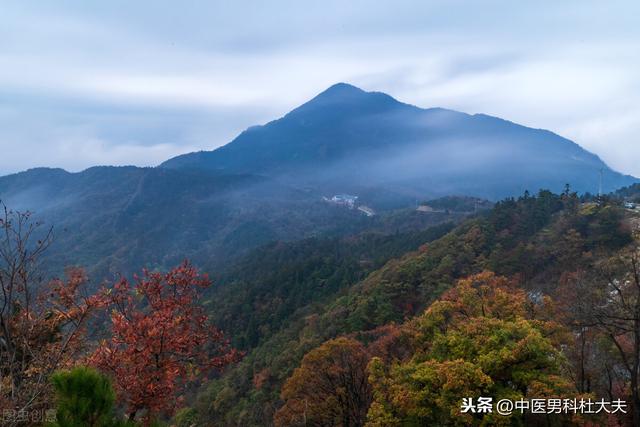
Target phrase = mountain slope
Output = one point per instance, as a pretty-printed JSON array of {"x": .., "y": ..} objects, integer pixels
[
  {"x": 117, "y": 219},
  {"x": 537, "y": 240},
  {"x": 346, "y": 139},
  {"x": 268, "y": 183}
]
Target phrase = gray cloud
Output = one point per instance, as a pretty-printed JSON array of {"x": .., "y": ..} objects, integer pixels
[{"x": 84, "y": 83}]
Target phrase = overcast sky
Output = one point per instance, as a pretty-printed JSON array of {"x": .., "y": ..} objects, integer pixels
[{"x": 136, "y": 82}]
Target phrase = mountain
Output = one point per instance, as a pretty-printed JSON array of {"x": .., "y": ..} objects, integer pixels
[
  {"x": 349, "y": 140},
  {"x": 268, "y": 183},
  {"x": 117, "y": 219}
]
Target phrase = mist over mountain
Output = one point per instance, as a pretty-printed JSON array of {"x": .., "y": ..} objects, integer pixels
[
  {"x": 114, "y": 219},
  {"x": 346, "y": 139},
  {"x": 268, "y": 183}
]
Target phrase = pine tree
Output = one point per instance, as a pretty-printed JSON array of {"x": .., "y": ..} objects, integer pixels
[{"x": 85, "y": 398}]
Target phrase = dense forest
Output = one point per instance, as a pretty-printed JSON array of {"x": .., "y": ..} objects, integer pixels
[
  {"x": 535, "y": 298},
  {"x": 538, "y": 242}
]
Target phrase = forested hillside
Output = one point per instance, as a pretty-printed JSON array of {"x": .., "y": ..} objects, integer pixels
[
  {"x": 262, "y": 291},
  {"x": 535, "y": 241},
  {"x": 534, "y": 298}
]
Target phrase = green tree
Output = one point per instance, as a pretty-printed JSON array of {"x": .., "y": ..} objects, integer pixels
[{"x": 85, "y": 398}]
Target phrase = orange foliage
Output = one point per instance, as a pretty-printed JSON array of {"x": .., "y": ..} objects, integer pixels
[
  {"x": 41, "y": 337},
  {"x": 329, "y": 388}
]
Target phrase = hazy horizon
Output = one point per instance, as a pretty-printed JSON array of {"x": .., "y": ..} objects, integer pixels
[{"x": 120, "y": 83}]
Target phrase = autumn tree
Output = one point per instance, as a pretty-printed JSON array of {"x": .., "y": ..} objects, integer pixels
[
  {"x": 42, "y": 324},
  {"x": 160, "y": 340},
  {"x": 607, "y": 301},
  {"x": 592, "y": 358},
  {"x": 479, "y": 339},
  {"x": 330, "y": 387}
]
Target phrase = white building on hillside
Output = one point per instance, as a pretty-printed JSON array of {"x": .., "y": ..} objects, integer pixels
[{"x": 345, "y": 200}]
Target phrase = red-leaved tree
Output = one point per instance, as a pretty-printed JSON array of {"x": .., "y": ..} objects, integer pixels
[
  {"x": 42, "y": 323},
  {"x": 161, "y": 339}
]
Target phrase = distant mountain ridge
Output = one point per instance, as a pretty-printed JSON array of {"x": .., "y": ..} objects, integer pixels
[{"x": 346, "y": 138}]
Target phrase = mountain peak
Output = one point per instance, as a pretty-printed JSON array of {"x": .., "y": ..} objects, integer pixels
[
  {"x": 341, "y": 96},
  {"x": 342, "y": 88},
  {"x": 340, "y": 92}
]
